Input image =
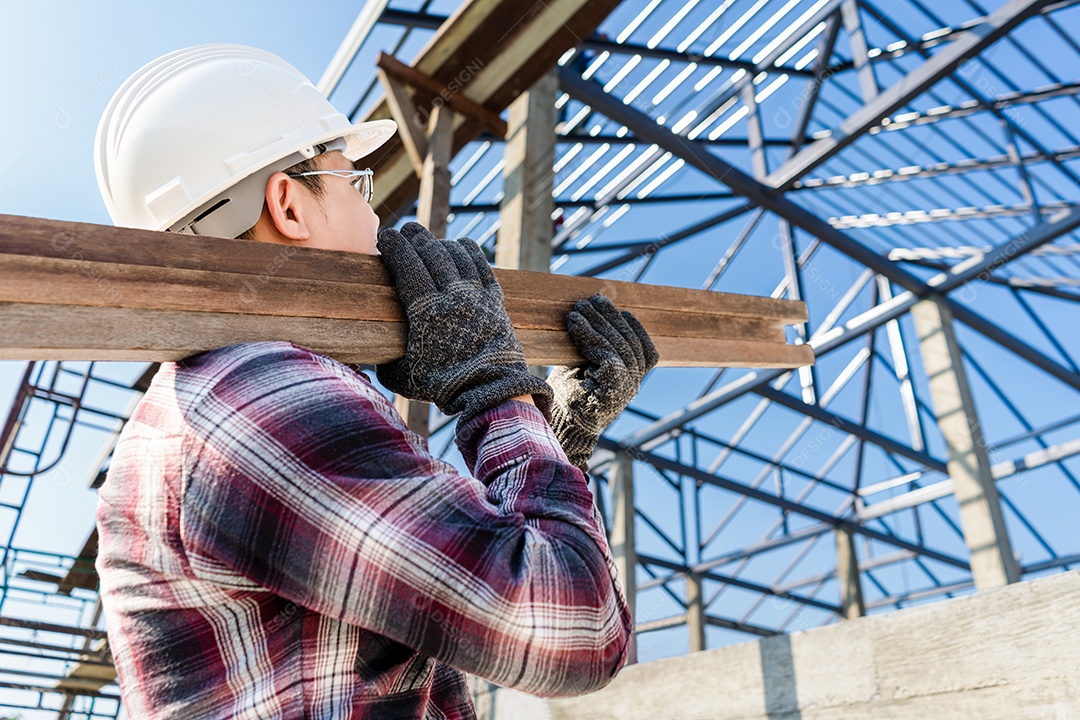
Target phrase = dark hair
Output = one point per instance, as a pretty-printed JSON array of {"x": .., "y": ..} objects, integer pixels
[{"x": 311, "y": 182}]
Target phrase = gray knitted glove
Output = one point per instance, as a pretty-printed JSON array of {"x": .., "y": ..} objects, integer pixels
[
  {"x": 461, "y": 352},
  {"x": 589, "y": 398}
]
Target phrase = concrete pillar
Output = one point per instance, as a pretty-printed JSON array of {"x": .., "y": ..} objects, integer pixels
[
  {"x": 695, "y": 612},
  {"x": 525, "y": 228},
  {"x": 992, "y": 562},
  {"x": 847, "y": 571},
  {"x": 623, "y": 550}
]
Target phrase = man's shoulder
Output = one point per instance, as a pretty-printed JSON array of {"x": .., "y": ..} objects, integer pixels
[
  {"x": 252, "y": 363},
  {"x": 265, "y": 379},
  {"x": 281, "y": 350},
  {"x": 260, "y": 363},
  {"x": 251, "y": 354}
]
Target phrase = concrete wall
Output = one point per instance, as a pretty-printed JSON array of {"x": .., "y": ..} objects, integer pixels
[{"x": 1009, "y": 653}]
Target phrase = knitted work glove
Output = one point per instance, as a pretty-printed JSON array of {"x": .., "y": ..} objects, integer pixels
[
  {"x": 461, "y": 352},
  {"x": 587, "y": 399}
]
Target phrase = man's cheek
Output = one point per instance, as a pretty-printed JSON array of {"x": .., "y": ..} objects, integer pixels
[{"x": 373, "y": 232}]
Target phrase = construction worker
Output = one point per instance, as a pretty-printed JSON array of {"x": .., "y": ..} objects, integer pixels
[{"x": 274, "y": 542}]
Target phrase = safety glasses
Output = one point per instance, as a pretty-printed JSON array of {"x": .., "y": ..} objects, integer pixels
[{"x": 363, "y": 183}]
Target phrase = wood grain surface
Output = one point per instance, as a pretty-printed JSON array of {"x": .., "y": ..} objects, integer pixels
[{"x": 94, "y": 292}]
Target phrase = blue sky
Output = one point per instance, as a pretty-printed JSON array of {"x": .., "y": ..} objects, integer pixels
[{"x": 62, "y": 61}]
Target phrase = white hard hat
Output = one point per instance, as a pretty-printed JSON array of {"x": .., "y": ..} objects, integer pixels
[{"x": 188, "y": 142}]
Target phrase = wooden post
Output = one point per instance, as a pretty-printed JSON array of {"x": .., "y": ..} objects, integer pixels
[
  {"x": 525, "y": 225},
  {"x": 412, "y": 133},
  {"x": 434, "y": 204}
]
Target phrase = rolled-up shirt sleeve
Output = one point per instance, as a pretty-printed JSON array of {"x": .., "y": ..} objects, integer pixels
[{"x": 302, "y": 478}]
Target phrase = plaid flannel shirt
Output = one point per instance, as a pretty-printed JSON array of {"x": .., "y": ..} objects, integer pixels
[{"x": 274, "y": 543}]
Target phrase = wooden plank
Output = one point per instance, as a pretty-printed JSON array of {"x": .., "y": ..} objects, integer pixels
[
  {"x": 458, "y": 102},
  {"x": 66, "y": 282},
  {"x": 489, "y": 51},
  {"x": 69, "y": 332},
  {"x": 405, "y": 115},
  {"x": 70, "y": 291},
  {"x": 85, "y": 242}
]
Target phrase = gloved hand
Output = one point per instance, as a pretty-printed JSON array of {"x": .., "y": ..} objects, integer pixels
[
  {"x": 461, "y": 352},
  {"x": 589, "y": 398}
]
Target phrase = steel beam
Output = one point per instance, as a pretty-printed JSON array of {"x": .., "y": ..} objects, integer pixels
[
  {"x": 664, "y": 240},
  {"x": 45, "y": 627},
  {"x": 851, "y": 427},
  {"x": 963, "y": 252},
  {"x": 795, "y": 536},
  {"x": 744, "y": 185},
  {"x": 966, "y": 86},
  {"x": 782, "y": 503},
  {"x": 566, "y": 203},
  {"x": 914, "y": 118},
  {"x": 920, "y": 594},
  {"x": 1016, "y": 247},
  {"x": 914, "y": 172},
  {"x": 682, "y": 570},
  {"x": 917, "y": 217},
  {"x": 849, "y": 11},
  {"x": 934, "y": 69},
  {"x": 999, "y": 471},
  {"x": 868, "y": 564},
  {"x": 629, "y": 139},
  {"x": 608, "y": 46},
  {"x": 933, "y": 38},
  {"x": 739, "y": 182},
  {"x": 407, "y": 18},
  {"x": 821, "y": 71},
  {"x": 732, "y": 89}
]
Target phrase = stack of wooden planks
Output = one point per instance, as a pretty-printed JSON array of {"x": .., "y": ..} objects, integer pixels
[{"x": 77, "y": 291}]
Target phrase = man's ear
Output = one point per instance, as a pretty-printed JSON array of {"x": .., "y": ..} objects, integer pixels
[{"x": 288, "y": 207}]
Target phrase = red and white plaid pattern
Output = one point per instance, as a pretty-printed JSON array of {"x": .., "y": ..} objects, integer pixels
[{"x": 275, "y": 543}]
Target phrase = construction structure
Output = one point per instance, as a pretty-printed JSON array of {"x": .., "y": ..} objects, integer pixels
[{"x": 908, "y": 172}]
